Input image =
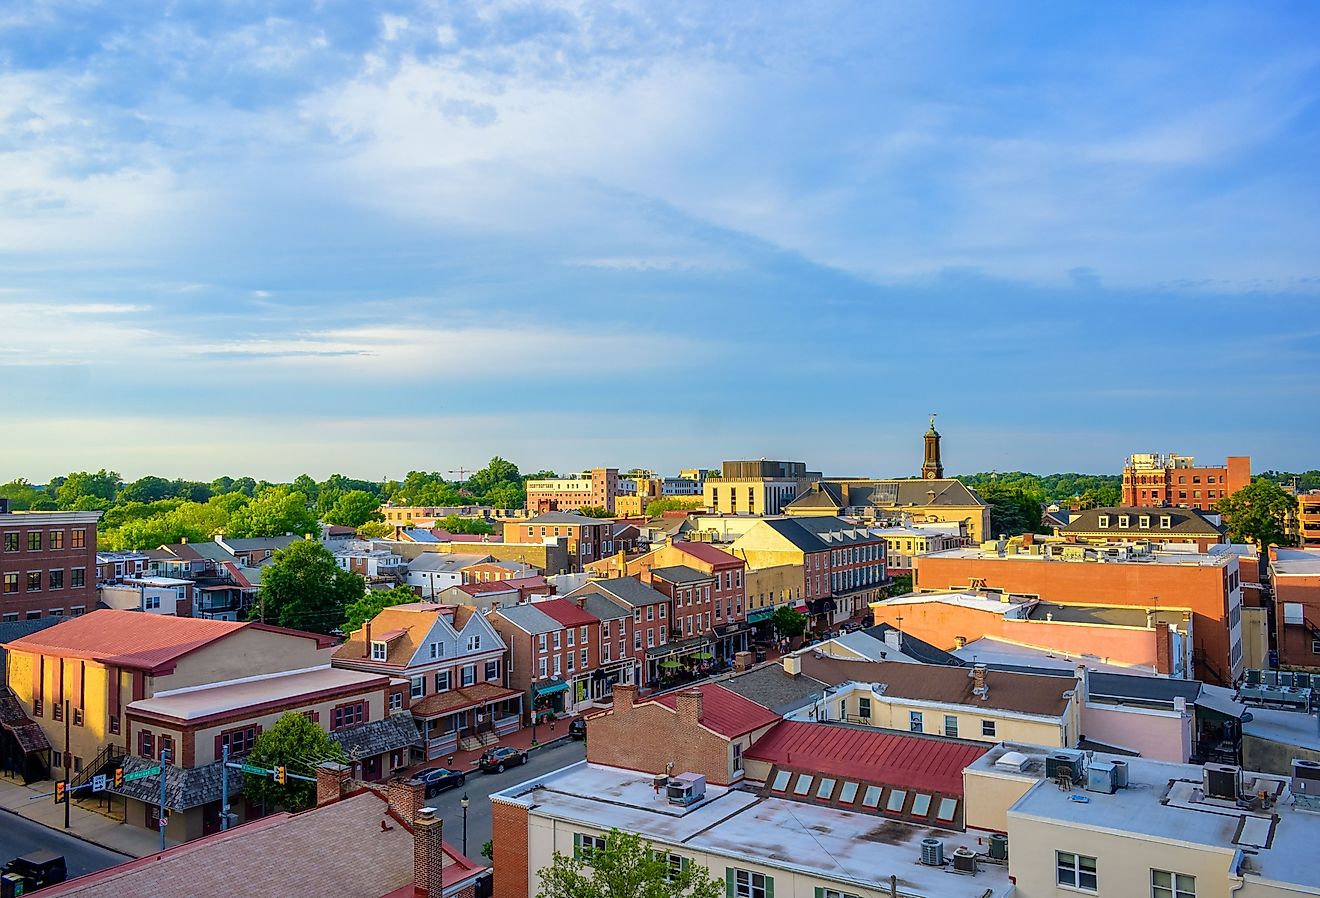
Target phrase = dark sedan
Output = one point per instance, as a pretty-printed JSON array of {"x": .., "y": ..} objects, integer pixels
[
  {"x": 495, "y": 760},
  {"x": 438, "y": 779}
]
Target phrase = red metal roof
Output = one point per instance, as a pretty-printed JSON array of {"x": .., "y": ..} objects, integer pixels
[
  {"x": 566, "y": 612},
  {"x": 509, "y": 585},
  {"x": 896, "y": 759},
  {"x": 723, "y": 711},
  {"x": 709, "y": 554},
  {"x": 126, "y": 638}
]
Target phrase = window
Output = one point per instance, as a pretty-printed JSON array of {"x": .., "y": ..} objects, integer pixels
[
  {"x": 662, "y": 612},
  {"x": 1104, "y": 521},
  {"x": 437, "y": 650},
  {"x": 948, "y": 808},
  {"x": 378, "y": 651},
  {"x": 114, "y": 724},
  {"x": 747, "y": 884},
  {"x": 864, "y": 708},
  {"x": 11, "y": 584},
  {"x": 950, "y": 725},
  {"x": 443, "y": 680},
  {"x": 848, "y": 794},
  {"x": 570, "y": 662},
  {"x": 11, "y": 542},
  {"x": 1124, "y": 520},
  {"x": 1076, "y": 870},
  {"x": 558, "y": 644},
  {"x": 492, "y": 670},
  {"x": 146, "y": 744},
  {"x": 418, "y": 687},
  {"x": 469, "y": 675},
  {"x": 77, "y": 578},
  {"x": 677, "y": 864},
  {"x": 77, "y": 717},
  {"x": 834, "y": 893},
  {"x": 571, "y": 636},
  {"x": 474, "y": 643},
  {"x": 396, "y": 701},
  {"x": 897, "y": 798},
  {"x": 151, "y": 602},
  {"x": 348, "y": 715},
  {"x": 78, "y": 539},
  {"x": 584, "y": 845},
  {"x": 737, "y": 757},
  {"x": 540, "y": 642},
  {"x": 1144, "y": 522},
  {"x": 920, "y": 805},
  {"x": 56, "y": 539},
  {"x": 34, "y": 581},
  {"x": 34, "y": 540},
  {"x": 541, "y": 669},
  {"x": 637, "y": 639},
  {"x": 871, "y": 797},
  {"x": 1164, "y": 884},
  {"x": 988, "y": 728},
  {"x": 650, "y": 612},
  {"x": 239, "y": 741},
  {"x": 826, "y": 788},
  {"x": 914, "y": 721},
  {"x": 582, "y": 659},
  {"x": 55, "y": 579},
  {"x": 781, "y": 780},
  {"x": 803, "y": 785},
  {"x": 1165, "y": 522}
]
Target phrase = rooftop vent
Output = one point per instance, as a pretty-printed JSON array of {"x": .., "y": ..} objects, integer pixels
[{"x": 1013, "y": 760}]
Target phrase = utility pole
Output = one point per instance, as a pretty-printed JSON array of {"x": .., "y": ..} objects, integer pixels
[
  {"x": 160, "y": 816},
  {"x": 67, "y": 762},
  {"x": 224, "y": 790}
]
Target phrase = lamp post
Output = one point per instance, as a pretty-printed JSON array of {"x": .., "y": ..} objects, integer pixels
[
  {"x": 531, "y": 704},
  {"x": 464, "y": 802}
]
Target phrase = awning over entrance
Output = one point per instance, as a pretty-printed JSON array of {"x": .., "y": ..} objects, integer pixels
[
  {"x": 455, "y": 700},
  {"x": 759, "y": 614},
  {"x": 550, "y": 688}
]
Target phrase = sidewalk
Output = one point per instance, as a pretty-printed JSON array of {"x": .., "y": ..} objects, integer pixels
[
  {"x": 467, "y": 760},
  {"x": 87, "y": 820}
]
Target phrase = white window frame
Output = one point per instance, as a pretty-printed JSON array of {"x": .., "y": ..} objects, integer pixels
[
  {"x": 1072, "y": 873},
  {"x": 379, "y": 651},
  {"x": 751, "y": 884}
]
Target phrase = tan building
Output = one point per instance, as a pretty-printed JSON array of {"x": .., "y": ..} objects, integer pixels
[
  {"x": 756, "y": 487},
  {"x": 597, "y": 488},
  {"x": 881, "y": 501}
]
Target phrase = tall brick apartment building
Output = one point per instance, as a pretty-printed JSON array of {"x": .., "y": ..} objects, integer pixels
[
  {"x": 1156, "y": 479},
  {"x": 47, "y": 563}
]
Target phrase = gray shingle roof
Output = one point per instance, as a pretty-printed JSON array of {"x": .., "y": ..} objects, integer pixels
[
  {"x": 184, "y": 788},
  {"x": 603, "y": 608},
  {"x": 438, "y": 562},
  {"x": 770, "y": 686},
  {"x": 1182, "y": 521},
  {"x": 681, "y": 573},
  {"x": 898, "y": 493},
  {"x": 529, "y": 619},
  {"x": 379, "y": 736},
  {"x": 629, "y": 590}
]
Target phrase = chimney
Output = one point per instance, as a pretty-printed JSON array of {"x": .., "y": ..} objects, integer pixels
[
  {"x": 1163, "y": 648},
  {"x": 894, "y": 639},
  {"x": 428, "y": 854},
  {"x": 625, "y": 695},
  {"x": 183, "y": 540},
  {"x": 366, "y": 641},
  {"x": 332, "y": 782},
  {"x": 793, "y": 665},
  {"x": 406, "y": 797},
  {"x": 1028, "y": 539},
  {"x": 582, "y": 602},
  {"x": 688, "y": 704},
  {"x": 1083, "y": 682},
  {"x": 979, "y": 687}
]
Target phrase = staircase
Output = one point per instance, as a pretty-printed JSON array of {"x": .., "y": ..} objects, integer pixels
[
  {"x": 105, "y": 758},
  {"x": 480, "y": 736}
]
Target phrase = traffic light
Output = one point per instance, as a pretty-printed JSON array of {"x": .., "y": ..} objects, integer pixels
[
  {"x": 60, "y": 795},
  {"x": 279, "y": 775},
  {"x": 119, "y": 777}
]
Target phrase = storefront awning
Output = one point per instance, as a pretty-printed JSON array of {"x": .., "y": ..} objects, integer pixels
[
  {"x": 551, "y": 688},
  {"x": 760, "y": 614}
]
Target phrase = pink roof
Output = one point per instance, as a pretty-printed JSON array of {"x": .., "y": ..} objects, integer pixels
[
  {"x": 723, "y": 711},
  {"x": 126, "y": 638},
  {"x": 896, "y": 759},
  {"x": 504, "y": 585},
  {"x": 566, "y": 613},
  {"x": 709, "y": 554},
  {"x": 238, "y": 575}
]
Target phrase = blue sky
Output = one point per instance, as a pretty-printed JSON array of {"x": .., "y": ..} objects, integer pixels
[{"x": 375, "y": 237}]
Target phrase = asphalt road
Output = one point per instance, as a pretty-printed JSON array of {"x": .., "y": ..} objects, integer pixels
[
  {"x": 19, "y": 835},
  {"x": 480, "y": 785}
]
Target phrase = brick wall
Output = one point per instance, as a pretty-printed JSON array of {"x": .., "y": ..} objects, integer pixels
[
  {"x": 509, "y": 843},
  {"x": 649, "y": 737}
]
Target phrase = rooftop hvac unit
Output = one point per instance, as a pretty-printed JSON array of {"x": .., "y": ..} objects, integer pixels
[
  {"x": 964, "y": 860},
  {"x": 1269, "y": 677},
  {"x": 1121, "y": 774},
  {"x": 1250, "y": 692},
  {"x": 1305, "y": 777},
  {"x": 1298, "y": 699},
  {"x": 999, "y": 846},
  {"x": 1100, "y": 777},
  {"x": 1221, "y": 781},
  {"x": 686, "y": 788},
  {"x": 1059, "y": 762},
  {"x": 932, "y": 852},
  {"x": 1252, "y": 676}
]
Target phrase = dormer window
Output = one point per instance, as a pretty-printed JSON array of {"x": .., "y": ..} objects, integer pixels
[
  {"x": 1144, "y": 522},
  {"x": 1104, "y": 521},
  {"x": 474, "y": 643},
  {"x": 378, "y": 651},
  {"x": 1165, "y": 522},
  {"x": 1124, "y": 521}
]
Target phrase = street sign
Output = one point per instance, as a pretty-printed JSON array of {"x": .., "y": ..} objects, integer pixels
[
  {"x": 141, "y": 774},
  {"x": 98, "y": 783},
  {"x": 249, "y": 768}
]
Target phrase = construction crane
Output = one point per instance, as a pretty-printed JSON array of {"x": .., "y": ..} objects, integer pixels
[{"x": 462, "y": 473}]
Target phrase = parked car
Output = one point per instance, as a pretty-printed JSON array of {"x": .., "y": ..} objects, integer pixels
[
  {"x": 438, "y": 779},
  {"x": 495, "y": 760},
  {"x": 38, "y": 868},
  {"x": 578, "y": 729}
]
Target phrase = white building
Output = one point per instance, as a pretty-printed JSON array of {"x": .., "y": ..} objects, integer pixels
[{"x": 154, "y": 595}]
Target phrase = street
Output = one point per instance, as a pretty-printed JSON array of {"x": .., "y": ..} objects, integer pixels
[
  {"x": 19, "y": 835},
  {"x": 480, "y": 785}
]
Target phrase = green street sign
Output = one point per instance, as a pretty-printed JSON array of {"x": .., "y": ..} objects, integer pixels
[
  {"x": 260, "y": 771},
  {"x": 141, "y": 774}
]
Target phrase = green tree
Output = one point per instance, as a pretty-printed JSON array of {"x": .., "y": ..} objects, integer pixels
[
  {"x": 304, "y": 484},
  {"x": 375, "y": 530},
  {"x": 1013, "y": 509},
  {"x": 276, "y": 511},
  {"x": 788, "y": 622},
  {"x": 355, "y": 508},
  {"x": 660, "y": 506},
  {"x": 454, "y": 524},
  {"x": 1258, "y": 513},
  {"x": 303, "y": 588},
  {"x": 21, "y": 495},
  {"x": 83, "y": 485},
  {"x": 298, "y": 745},
  {"x": 594, "y": 511},
  {"x": 506, "y": 495},
  {"x": 496, "y": 472},
  {"x": 146, "y": 489},
  {"x": 627, "y": 867},
  {"x": 901, "y": 586},
  {"x": 359, "y": 611}
]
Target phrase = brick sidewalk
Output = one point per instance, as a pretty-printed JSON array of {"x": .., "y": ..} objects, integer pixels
[{"x": 87, "y": 819}]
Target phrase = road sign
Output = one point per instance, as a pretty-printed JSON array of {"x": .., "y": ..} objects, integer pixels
[
  {"x": 249, "y": 768},
  {"x": 98, "y": 783},
  {"x": 141, "y": 774}
]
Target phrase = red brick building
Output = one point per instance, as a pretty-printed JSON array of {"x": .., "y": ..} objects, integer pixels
[
  {"x": 597, "y": 488},
  {"x": 47, "y": 563},
  {"x": 1296, "y": 574},
  {"x": 1155, "y": 479},
  {"x": 588, "y": 538},
  {"x": 1209, "y": 585},
  {"x": 554, "y": 654}
]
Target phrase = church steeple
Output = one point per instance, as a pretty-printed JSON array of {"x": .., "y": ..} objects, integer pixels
[{"x": 932, "y": 468}]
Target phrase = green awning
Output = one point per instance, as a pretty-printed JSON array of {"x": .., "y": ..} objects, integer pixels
[
  {"x": 551, "y": 688},
  {"x": 702, "y": 656},
  {"x": 670, "y": 664},
  {"x": 759, "y": 615}
]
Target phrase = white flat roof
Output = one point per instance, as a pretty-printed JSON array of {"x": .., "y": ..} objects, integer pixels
[
  {"x": 233, "y": 695},
  {"x": 1164, "y": 801},
  {"x": 1183, "y": 559},
  {"x": 988, "y": 650},
  {"x": 847, "y": 847},
  {"x": 1296, "y": 562},
  {"x": 978, "y": 601}
]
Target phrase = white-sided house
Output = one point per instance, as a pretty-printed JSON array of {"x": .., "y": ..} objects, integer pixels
[
  {"x": 154, "y": 595},
  {"x": 454, "y": 661},
  {"x": 430, "y": 573}
]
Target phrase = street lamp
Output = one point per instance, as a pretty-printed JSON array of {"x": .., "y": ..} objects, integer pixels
[{"x": 463, "y": 803}]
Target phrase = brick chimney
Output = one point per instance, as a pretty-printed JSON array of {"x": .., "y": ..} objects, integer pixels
[
  {"x": 625, "y": 696},
  {"x": 406, "y": 797},
  {"x": 332, "y": 782},
  {"x": 1083, "y": 682},
  {"x": 688, "y": 704},
  {"x": 428, "y": 854},
  {"x": 1163, "y": 648}
]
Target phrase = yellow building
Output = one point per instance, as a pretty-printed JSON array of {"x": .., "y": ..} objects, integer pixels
[{"x": 756, "y": 487}]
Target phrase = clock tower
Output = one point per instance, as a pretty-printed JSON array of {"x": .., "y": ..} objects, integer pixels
[{"x": 932, "y": 468}]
